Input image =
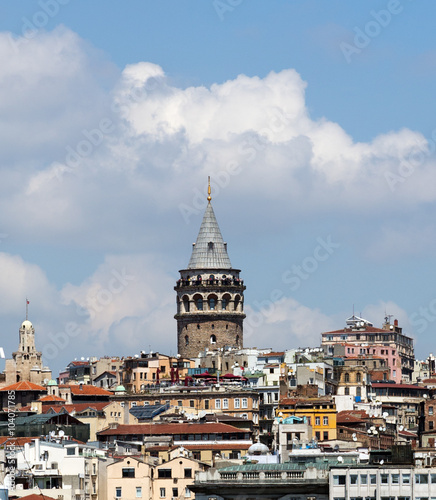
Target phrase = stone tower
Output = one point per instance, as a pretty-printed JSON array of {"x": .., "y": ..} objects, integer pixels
[
  {"x": 210, "y": 294},
  {"x": 26, "y": 363}
]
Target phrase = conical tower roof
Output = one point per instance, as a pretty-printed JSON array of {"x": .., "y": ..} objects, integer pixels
[{"x": 209, "y": 251}]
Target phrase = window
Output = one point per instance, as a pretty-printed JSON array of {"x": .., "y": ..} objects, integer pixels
[
  {"x": 338, "y": 480},
  {"x": 384, "y": 478},
  {"x": 187, "y": 492},
  {"x": 186, "y": 340},
  {"x": 162, "y": 493},
  {"x": 237, "y": 403},
  {"x": 213, "y": 339},
  {"x": 118, "y": 492},
  {"x": 395, "y": 479},
  {"x": 175, "y": 492},
  {"x": 430, "y": 410},
  {"x": 138, "y": 492},
  {"x": 325, "y": 421},
  {"x": 318, "y": 435},
  {"x": 373, "y": 479},
  {"x": 217, "y": 404},
  {"x": 325, "y": 435},
  {"x": 353, "y": 478},
  {"x": 191, "y": 403},
  {"x": 347, "y": 391},
  {"x": 206, "y": 404},
  {"x": 430, "y": 424},
  {"x": 225, "y": 404},
  {"x": 129, "y": 472},
  {"x": 199, "y": 303},
  {"x": 433, "y": 478},
  {"x": 179, "y": 403},
  {"x": 406, "y": 478},
  {"x": 317, "y": 420},
  {"x": 244, "y": 403},
  {"x": 188, "y": 473},
  {"x": 421, "y": 478},
  {"x": 347, "y": 377},
  {"x": 363, "y": 479},
  {"x": 164, "y": 473},
  {"x": 358, "y": 377}
]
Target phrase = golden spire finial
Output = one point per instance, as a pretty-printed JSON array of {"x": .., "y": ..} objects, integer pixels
[{"x": 209, "y": 197}]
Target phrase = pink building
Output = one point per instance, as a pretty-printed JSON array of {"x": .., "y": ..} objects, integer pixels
[{"x": 361, "y": 338}]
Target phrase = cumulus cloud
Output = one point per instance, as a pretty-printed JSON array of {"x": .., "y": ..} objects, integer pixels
[{"x": 111, "y": 162}]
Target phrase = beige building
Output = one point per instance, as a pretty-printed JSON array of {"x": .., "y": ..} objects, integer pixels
[
  {"x": 127, "y": 479},
  {"x": 26, "y": 363},
  {"x": 131, "y": 478}
]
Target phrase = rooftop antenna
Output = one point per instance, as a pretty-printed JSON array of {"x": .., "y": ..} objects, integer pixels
[
  {"x": 27, "y": 309},
  {"x": 209, "y": 197}
]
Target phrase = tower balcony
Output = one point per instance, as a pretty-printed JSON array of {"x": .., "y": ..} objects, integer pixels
[
  {"x": 228, "y": 284},
  {"x": 218, "y": 314}
]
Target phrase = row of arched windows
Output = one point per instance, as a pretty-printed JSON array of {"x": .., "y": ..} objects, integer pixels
[
  {"x": 212, "y": 303},
  {"x": 347, "y": 377}
]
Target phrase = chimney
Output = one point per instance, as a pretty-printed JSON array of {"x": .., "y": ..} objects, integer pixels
[{"x": 395, "y": 322}]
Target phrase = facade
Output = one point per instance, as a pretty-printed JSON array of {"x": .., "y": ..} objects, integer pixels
[
  {"x": 382, "y": 482},
  {"x": 210, "y": 295},
  {"x": 319, "y": 412},
  {"x": 150, "y": 369},
  {"x": 26, "y": 363},
  {"x": 388, "y": 342}
]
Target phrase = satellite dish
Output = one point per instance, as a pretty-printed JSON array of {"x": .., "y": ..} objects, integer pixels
[
  {"x": 382, "y": 462},
  {"x": 354, "y": 435},
  {"x": 340, "y": 459},
  {"x": 375, "y": 432},
  {"x": 369, "y": 431},
  {"x": 61, "y": 433},
  {"x": 82, "y": 358},
  {"x": 385, "y": 414},
  {"x": 401, "y": 427},
  {"x": 354, "y": 438}
]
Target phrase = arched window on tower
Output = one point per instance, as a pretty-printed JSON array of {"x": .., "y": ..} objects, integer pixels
[
  {"x": 237, "y": 339},
  {"x": 225, "y": 302},
  {"x": 347, "y": 377},
  {"x": 237, "y": 302},
  {"x": 199, "y": 302},
  {"x": 213, "y": 339},
  {"x": 186, "y": 303},
  {"x": 186, "y": 340},
  {"x": 212, "y": 301}
]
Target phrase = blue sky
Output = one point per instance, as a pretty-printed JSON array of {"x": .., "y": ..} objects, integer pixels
[{"x": 314, "y": 119}]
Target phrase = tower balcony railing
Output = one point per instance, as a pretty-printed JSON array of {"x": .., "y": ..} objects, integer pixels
[{"x": 210, "y": 282}]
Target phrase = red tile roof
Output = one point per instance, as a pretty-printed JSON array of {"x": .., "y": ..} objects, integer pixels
[
  {"x": 351, "y": 416},
  {"x": 50, "y": 398},
  {"x": 17, "y": 441},
  {"x": 219, "y": 446},
  {"x": 87, "y": 390},
  {"x": 34, "y": 496},
  {"x": 24, "y": 386},
  {"x": 171, "y": 429}
]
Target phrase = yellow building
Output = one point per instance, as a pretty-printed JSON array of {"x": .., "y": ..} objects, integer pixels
[{"x": 320, "y": 413}]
